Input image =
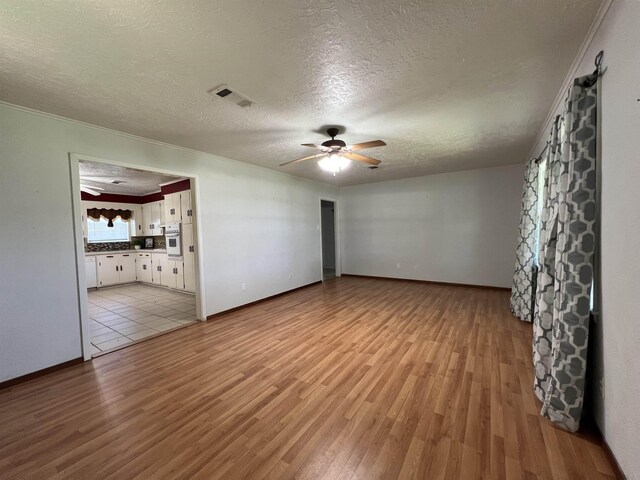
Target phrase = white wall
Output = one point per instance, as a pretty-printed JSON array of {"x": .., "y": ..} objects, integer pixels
[
  {"x": 258, "y": 227},
  {"x": 456, "y": 227},
  {"x": 616, "y": 338}
]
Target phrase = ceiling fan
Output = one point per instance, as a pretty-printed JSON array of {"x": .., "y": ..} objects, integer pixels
[{"x": 336, "y": 155}]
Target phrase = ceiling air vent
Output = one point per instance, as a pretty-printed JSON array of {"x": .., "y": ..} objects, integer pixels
[{"x": 229, "y": 94}]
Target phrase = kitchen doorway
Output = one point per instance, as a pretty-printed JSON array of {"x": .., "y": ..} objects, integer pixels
[
  {"x": 328, "y": 236},
  {"x": 136, "y": 240}
]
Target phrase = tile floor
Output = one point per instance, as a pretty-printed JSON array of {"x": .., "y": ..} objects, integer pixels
[{"x": 120, "y": 315}]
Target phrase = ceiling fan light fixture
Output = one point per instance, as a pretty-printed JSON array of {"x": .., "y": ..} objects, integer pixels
[{"x": 334, "y": 163}]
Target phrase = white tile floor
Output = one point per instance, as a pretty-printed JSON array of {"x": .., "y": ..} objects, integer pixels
[{"x": 120, "y": 315}]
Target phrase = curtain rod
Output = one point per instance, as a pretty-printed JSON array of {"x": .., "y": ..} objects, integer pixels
[
  {"x": 599, "y": 72},
  {"x": 539, "y": 157}
]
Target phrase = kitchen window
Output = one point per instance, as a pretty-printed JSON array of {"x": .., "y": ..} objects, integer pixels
[{"x": 99, "y": 231}]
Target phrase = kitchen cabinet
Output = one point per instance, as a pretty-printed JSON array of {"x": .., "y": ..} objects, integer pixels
[
  {"x": 156, "y": 267},
  {"x": 127, "y": 268},
  {"x": 152, "y": 214},
  {"x": 171, "y": 273},
  {"x": 185, "y": 207},
  {"x": 177, "y": 279},
  {"x": 144, "y": 272},
  {"x": 172, "y": 209},
  {"x": 188, "y": 256},
  {"x": 116, "y": 268},
  {"x": 108, "y": 270},
  {"x": 178, "y": 207},
  {"x": 146, "y": 219}
]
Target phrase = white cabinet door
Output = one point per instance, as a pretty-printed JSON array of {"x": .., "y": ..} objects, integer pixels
[
  {"x": 167, "y": 275},
  {"x": 135, "y": 224},
  {"x": 168, "y": 205},
  {"x": 143, "y": 268},
  {"x": 179, "y": 274},
  {"x": 127, "y": 268},
  {"x": 108, "y": 270},
  {"x": 156, "y": 267},
  {"x": 156, "y": 218},
  {"x": 162, "y": 212},
  {"x": 146, "y": 219},
  {"x": 172, "y": 207},
  {"x": 185, "y": 206},
  {"x": 152, "y": 218},
  {"x": 188, "y": 256}
]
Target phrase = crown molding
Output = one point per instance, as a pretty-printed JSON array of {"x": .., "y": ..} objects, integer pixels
[{"x": 595, "y": 26}]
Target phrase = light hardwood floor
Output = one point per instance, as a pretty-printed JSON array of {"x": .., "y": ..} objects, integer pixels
[{"x": 357, "y": 378}]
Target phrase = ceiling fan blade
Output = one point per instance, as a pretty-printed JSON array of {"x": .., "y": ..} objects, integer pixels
[
  {"x": 88, "y": 190},
  {"x": 303, "y": 159},
  {"x": 371, "y": 144},
  {"x": 361, "y": 158},
  {"x": 319, "y": 147}
]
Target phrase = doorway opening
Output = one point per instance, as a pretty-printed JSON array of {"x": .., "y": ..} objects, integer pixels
[
  {"x": 137, "y": 251},
  {"x": 328, "y": 235}
]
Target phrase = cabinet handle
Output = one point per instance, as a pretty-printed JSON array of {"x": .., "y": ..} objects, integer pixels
[
  {"x": 144, "y": 267},
  {"x": 116, "y": 268},
  {"x": 120, "y": 267},
  {"x": 109, "y": 256}
]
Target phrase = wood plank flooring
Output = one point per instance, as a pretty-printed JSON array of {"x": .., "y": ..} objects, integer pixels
[{"x": 354, "y": 379}]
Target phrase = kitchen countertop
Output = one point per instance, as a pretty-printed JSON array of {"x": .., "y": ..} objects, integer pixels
[{"x": 142, "y": 250}]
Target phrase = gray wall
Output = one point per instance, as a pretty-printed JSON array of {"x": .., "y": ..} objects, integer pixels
[{"x": 456, "y": 227}]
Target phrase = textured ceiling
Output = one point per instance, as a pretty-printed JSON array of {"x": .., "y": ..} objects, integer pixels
[
  {"x": 449, "y": 84},
  {"x": 136, "y": 182}
]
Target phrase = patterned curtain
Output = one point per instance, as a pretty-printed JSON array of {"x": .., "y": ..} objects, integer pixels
[
  {"x": 567, "y": 241},
  {"x": 522, "y": 289}
]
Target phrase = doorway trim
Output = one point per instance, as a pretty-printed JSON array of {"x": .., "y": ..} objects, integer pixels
[
  {"x": 76, "y": 203},
  {"x": 336, "y": 230}
]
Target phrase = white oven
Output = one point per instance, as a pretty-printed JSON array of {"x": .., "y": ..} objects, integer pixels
[{"x": 174, "y": 242}]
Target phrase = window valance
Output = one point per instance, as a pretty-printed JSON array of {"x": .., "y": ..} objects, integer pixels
[{"x": 110, "y": 214}]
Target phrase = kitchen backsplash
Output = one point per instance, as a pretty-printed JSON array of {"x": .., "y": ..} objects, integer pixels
[
  {"x": 158, "y": 242},
  {"x": 107, "y": 246}
]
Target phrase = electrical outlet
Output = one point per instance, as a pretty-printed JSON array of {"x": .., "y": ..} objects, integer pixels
[
  {"x": 243, "y": 286},
  {"x": 397, "y": 265},
  {"x": 415, "y": 268},
  {"x": 290, "y": 275}
]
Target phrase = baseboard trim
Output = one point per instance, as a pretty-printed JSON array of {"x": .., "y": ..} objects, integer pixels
[
  {"x": 590, "y": 431},
  {"x": 428, "y": 282},
  {"x": 40, "y": 373},
  {"x": 240, "y": 307},
  {"x": 613, "y": 460}
]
